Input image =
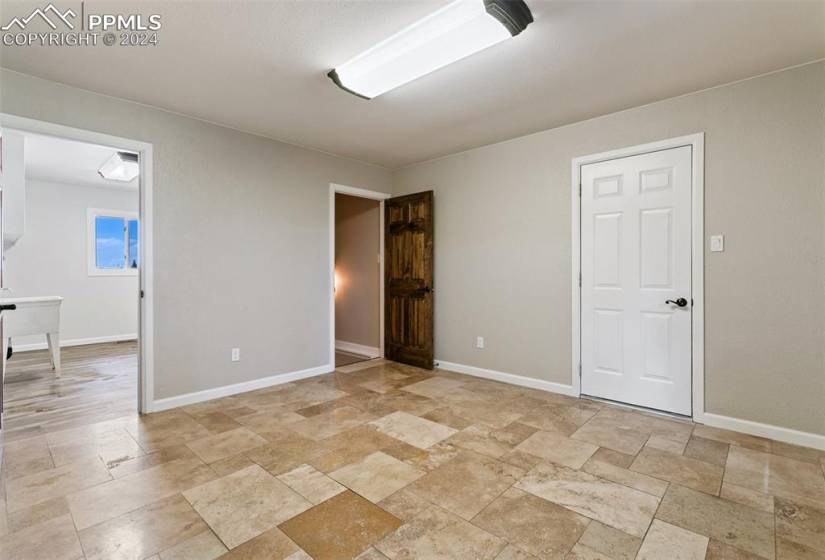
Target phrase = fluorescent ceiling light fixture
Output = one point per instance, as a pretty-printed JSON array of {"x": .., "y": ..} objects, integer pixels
[
  {"x": 457, "y": 30},
  {"x": 122, "y": 166}
]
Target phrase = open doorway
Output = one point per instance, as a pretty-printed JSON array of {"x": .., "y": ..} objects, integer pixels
[
  {"x": 73, "y": 276},
  {"x": 357, "y": 310}
]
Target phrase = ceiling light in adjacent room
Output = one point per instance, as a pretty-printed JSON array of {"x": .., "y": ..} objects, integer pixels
[
  {"x": 457, "y": 30},
  {"x": 122, "y": 166}
]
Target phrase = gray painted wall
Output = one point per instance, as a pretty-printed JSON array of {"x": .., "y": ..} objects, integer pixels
[
  {"x": 503, "y": 243},
  {"x": 50, "y": 259},
  {"x": 241, "y": 240},
  {"x": 241, "y": 236},
  {"x": 357, "y": 244}
]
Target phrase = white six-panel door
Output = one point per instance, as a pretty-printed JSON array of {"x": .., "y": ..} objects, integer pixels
[{"x": 635, "y": 256}]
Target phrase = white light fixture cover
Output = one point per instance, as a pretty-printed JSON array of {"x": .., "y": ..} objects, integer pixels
[
  {"x": 457, "y": 30},
  {"x": 122, "y": 166}
]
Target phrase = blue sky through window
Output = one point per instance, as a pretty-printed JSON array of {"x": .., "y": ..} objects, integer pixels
[{"x": 109, "y": 242}]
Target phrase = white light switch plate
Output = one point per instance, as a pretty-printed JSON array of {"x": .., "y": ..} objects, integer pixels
[{"x": 717, "y": 243}]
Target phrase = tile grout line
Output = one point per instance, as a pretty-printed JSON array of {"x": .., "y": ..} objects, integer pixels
[
  {"x": 76, "y": 532},
  {"x": 775, "y": 539},
  {"x": 669, "y": 484},
  {"x": 652, "y": 519}
]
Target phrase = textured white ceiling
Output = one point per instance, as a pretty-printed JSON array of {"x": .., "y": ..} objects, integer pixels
[
  {"x": 67, "y": 161},
  {"x": 260, "y": 67}
]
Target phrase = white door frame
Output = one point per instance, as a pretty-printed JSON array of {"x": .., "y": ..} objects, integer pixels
[
  {"x": 361, "y": 193},
  {"x": 697, "y": 143},
  {"x": 146, "y": 340}
]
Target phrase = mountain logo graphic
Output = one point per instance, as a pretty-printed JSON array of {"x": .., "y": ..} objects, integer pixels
[{"x": 50, "y": 10}]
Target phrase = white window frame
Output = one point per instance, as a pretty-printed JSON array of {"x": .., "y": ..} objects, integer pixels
[{"x": 91, "y": 243}]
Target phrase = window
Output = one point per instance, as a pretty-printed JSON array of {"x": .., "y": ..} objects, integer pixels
[{"x": 114, "y": 243}]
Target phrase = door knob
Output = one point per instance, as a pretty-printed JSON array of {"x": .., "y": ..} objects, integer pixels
[{"x": 681, "y": 302}]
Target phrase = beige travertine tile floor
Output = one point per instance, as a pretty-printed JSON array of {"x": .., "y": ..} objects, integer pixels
[{"x": 384, "y": 461}]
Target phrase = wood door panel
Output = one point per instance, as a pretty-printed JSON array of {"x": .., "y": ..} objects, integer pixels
[{"x": 408, "y": 336}]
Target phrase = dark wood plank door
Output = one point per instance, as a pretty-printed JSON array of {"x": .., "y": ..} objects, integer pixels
[{"x": 408, "y": 270}]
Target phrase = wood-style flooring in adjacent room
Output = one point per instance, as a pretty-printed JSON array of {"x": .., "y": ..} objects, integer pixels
[
  {"x": 383, "y": 461},
  {"x": 98, "y": 382}
]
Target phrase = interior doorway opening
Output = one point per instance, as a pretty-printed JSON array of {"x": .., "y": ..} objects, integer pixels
[
  {"x": 356, "y": 275},
  {"x": 75, "y": 277}
]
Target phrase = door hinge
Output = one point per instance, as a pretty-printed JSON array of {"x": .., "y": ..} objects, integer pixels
[
  {"x": 141, "y": 294},
  {"x": 580, "y": 369},
  {"x": 580, "y": 190},
  {"x": 580, "y": 279}
]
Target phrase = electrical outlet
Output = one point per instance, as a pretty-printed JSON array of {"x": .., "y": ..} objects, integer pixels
[
  {"x": 236, "y": 354},
  {"x": 479, "y": 342},
  {"x": 717, "y": 243}
]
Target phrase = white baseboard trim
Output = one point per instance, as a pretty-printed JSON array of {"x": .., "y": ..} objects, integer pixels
[
  {"x": 74, "y": 342},
  {"x": 786, "y": 435},
  {"x": 510, "y": 378},
  {"x": 353, "y": 348},
  {"x": 228, "y": 390}
]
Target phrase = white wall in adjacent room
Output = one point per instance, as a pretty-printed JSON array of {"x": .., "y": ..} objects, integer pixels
[{"x": 51, "y": 260}]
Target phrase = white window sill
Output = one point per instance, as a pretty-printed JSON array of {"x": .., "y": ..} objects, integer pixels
[{"x": 114, "y": 272}]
